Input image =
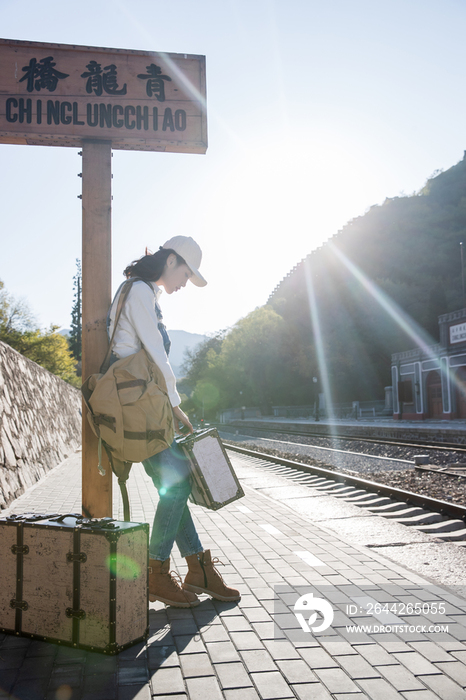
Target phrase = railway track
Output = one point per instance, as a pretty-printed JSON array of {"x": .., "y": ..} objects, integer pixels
[
  {"x": 442, "y": 519},
  {"x": 426, "y": 445},
  {"x": 439, "y": 452}
]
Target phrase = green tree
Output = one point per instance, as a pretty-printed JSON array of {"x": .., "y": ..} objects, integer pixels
[
  {"x": 75, "y": 337},
  {"x": 254, "y": 359},
  {"x": 15, "y": 314},
  {"x": 200, "y": 367},
  {"x": 261, "y": 361},
  {"x": 198, "y": 360},
  {"x": 48, "y": 348}
]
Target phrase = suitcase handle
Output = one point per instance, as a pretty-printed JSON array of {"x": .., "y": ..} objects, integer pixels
[
  {"x": 30, "y": 517},
  {"x": 97, "y": 523}
]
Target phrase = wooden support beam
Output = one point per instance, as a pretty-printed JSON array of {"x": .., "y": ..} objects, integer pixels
[{"x": 96, "y": 298}]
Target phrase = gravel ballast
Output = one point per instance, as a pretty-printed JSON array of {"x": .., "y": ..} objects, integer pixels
[{"x": 365, "y": 463}]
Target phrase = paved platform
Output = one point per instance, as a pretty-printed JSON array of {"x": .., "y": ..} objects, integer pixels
[{"x": 386, "y": 633}]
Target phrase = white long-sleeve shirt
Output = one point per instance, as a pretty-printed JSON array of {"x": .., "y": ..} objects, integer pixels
[{"x": 138, "y": 327}]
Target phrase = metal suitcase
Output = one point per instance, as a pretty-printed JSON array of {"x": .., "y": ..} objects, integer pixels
[
  {"x": 214, "y": 482},
  {"x": 74, "y": 581}
]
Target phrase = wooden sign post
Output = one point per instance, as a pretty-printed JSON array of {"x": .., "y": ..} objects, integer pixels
[
  {"x": 96, "y": 296},
  {"x": 100, "y": 99}
]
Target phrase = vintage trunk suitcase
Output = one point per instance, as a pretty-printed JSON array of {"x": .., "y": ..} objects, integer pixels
[
  {"x": 214, "y": 482},
  {"x": 74, "y": 581}
]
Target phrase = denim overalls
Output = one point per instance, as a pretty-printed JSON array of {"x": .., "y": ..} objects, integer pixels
[{"x": 170, "y": 474}]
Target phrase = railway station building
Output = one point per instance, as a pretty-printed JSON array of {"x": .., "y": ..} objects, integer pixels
[{"x": 430, "y": 382}]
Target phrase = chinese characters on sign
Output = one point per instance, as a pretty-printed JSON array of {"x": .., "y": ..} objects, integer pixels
[
  {"x": 53, "y": 94},
  {"x": 155, "y": 86},
  {"x": 41, "y": 75},
  {"x": 99, "y": 82}
]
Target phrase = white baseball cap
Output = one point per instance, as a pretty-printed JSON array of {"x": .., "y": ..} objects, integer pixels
[{"x": 191, "y": 253}]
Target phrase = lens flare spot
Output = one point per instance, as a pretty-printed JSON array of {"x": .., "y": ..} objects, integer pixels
[
  {"x": 206, "y": 395},
  {"x": 64, "y": 692},
  {"x": 162, "y": 491},
  {"x": 123, "y": 567}
]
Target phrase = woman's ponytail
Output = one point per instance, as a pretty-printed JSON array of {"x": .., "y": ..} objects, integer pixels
[{"x": 151, "y": 267}]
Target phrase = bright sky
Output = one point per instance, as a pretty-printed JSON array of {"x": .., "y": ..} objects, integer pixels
[{"x": 316, "y": 111}]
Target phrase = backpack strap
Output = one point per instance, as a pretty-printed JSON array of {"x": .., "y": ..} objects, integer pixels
[
  {"x": 121, "y": 471},
  {"x": 125, "y": 290},
  {"x": 125, "y": 498}
]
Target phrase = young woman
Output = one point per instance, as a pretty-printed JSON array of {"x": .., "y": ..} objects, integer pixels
[{"x": 140, "y": 325}]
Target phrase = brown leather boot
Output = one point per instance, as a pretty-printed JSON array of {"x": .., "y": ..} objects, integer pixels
[
  {"x": 166, "y": 589},
  {"x": 203, "y": 577}
]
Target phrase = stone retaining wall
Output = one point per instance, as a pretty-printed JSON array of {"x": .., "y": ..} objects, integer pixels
[{"x": 40, "y": 422}]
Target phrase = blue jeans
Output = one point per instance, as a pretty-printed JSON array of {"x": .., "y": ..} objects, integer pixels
[{"x": 172, "y": 521}]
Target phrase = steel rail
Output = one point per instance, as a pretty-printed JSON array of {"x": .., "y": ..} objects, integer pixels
[
  {"x": 443, "y": 507},
  {"x": 447, "y": 446}
]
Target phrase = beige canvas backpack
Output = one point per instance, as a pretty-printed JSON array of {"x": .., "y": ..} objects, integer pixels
[{"x": 128, "y": 408}]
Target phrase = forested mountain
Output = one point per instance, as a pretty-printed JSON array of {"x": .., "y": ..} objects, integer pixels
[
  {"x": 374, "y": 289},
  {"x": 403, "y": 255}
]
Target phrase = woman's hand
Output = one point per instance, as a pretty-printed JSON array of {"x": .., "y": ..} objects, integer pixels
[{"x": 181, "y": 417}]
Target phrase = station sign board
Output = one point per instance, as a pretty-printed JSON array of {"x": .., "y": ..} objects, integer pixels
[
  {"x": 60, "y": 95},
  {"x": 458, "y": 333}
]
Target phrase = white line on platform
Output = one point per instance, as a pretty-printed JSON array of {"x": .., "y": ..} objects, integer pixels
[
  {"x": 310, "y": 559},
  {"x": 244, "y": 509},
  {"x": 270, "y": 529}
]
